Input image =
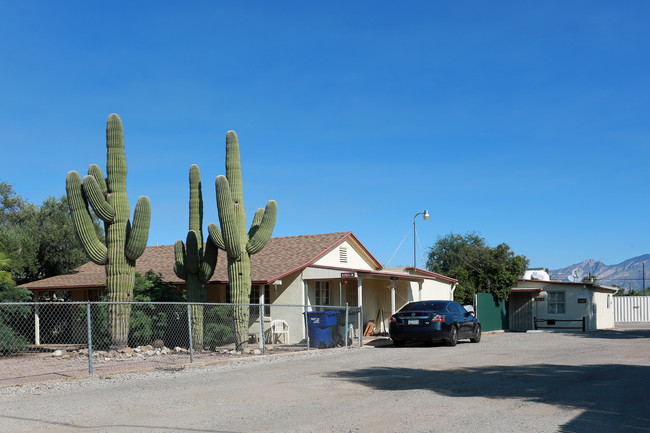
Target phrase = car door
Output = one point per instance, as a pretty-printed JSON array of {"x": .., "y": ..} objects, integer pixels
[{"x": 465, "y": 321}]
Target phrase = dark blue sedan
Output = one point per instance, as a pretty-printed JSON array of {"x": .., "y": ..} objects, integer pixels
[{"x": 434, "y": 321}]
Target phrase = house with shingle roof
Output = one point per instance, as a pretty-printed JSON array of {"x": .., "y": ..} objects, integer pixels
[{"x": 324, "y": 269}]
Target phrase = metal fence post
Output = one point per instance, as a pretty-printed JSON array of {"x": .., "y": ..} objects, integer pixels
[
  {"x": 360, "y": 320},
  {"x": 90, "y": 338},
  {"x": 189, "y": 327},
  {"x": 37, "y": 325},
  {"x": 347, "y": 313},
  {"x": 261, "y": 307}
]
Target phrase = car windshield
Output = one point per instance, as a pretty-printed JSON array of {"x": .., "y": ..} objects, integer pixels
[{"x": 424, "y": 306}]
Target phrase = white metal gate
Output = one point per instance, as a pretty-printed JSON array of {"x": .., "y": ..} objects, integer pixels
[{"x": 632, "y": 308}]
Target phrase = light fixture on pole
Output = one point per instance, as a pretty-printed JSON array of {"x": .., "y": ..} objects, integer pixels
[{"x": 425, "y": 216}]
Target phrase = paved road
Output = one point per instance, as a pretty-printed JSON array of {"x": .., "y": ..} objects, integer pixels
[{"x": 510, "y": 382}]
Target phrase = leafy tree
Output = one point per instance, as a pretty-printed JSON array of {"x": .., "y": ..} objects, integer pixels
[
  {"x": 478, "y": 267},
  {"x": 10, "y": 293},
  {"x": 13, "y": 318},
  {"x": 11, "y": 204},
  {"x": 40, "y": 242},
  {"x": 622, "y": 292},
  {"x": 5, "y": 265}
]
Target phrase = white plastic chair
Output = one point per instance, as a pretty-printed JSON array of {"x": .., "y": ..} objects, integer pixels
[{"x": 278, "y": 328}]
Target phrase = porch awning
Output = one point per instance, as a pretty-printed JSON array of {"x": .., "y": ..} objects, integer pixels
[{"x": 525, "y": 290}]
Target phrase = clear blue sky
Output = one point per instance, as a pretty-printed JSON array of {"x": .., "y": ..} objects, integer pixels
[{"x": 527, "y": 122}]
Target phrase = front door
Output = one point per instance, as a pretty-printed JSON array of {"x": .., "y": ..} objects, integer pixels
[{"x": 521, "y": 305}]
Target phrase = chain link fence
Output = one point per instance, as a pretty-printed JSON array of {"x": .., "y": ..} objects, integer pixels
[{"x": 43, "y": 341}]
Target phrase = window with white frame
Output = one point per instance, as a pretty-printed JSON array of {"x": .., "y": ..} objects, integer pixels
[
  {"x": 322, "y": 292},
  {"x": 556, "y": 303},
  {"x": 256, "y": 292}
]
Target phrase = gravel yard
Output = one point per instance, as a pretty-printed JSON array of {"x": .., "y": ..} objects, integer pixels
[{"x": 509, "y": 382}]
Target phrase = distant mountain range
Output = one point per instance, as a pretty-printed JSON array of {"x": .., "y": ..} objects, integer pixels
[{"x": 627, "y": 274}]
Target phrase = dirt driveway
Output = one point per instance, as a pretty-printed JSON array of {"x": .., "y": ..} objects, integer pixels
[{"x": 510, "y": 382}]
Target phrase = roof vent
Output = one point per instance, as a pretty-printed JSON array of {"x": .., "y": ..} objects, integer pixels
[{"x": 343, "y": 255}]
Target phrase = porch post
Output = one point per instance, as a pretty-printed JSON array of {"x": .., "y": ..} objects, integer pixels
[
  {"x": 392, "y": 299},
  {"x": 420, "y": 289},
  {"x": 360, "y": 291},
  {"x": 261, "y": 340},
  {"x": 304, "y": 321},
  {"x": 340, "y": 292}
]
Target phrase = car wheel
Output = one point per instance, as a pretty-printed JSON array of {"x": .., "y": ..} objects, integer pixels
[
  {"x": 453, "y": 336},
  {"x": 398, "y": 343},
  {"x": 477, "y": 335}
]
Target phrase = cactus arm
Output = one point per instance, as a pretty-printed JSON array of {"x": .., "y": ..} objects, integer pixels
[
  {"x": 97, "y": 200},
  {"x": 192, "y": 253},
  {"x": 257, "y": 219},
  {"x": 115, "y": 158},
  {"x": 208, "y": 263},
  {"x": 83, "y": 223},
  {"x": 262, "y": 233},
  {"x": 179, "y": 262},
  {"x": 96, "y": 172},
  {"x": 137, "y": 238},
  {"x": 196, "y": 200},
  {"x": 233, "y": 169},
  {"x": 215, "y": 236},
  {"x": 228, "y": 218}
]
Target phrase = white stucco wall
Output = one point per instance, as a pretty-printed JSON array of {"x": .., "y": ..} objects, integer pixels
[
  {"x": 605, "y": 310},
  {"x": 433, "y": 290},
  {"x": 598, "y": 313},
  {"x": 291, "y": 292},
  {"x": 356, "y": 258}
]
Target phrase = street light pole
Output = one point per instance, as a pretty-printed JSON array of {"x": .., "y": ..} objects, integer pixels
[{"x": 425, "y": 216}]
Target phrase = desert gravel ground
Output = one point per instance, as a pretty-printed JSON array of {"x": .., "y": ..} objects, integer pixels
[{"x": 509, "y": 382}]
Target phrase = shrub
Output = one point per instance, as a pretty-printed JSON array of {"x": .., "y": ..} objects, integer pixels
[
  {"x": 10, "y": 341},
  {"x": 215, "y": 335}
]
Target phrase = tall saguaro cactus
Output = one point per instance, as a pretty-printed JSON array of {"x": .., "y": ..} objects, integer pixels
[
  {"x": 233, "y": 237},
  {"x": 193, "y": 264},
  {"x": 125, "y": 242}
]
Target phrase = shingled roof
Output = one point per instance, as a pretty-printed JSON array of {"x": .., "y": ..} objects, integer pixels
[{"x": 280, "y": 257}]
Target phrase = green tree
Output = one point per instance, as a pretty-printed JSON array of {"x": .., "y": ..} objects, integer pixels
[
  {"x": 10, "y": 293},
  {"x": 629, "y": 292},
  {"x": 478, "y": 267},
  {"x": 40, "y": 241},
  {"x": 11, "y": 204},
  {"x": 14, "y": 318},
  {"x": 5, "y": 265}
]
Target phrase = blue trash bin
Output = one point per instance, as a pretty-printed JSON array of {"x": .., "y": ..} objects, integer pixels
[{"x": 319, "y": 326}]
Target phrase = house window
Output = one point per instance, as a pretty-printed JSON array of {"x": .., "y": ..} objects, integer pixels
[
  {"x": 322, "y": 292},
  {"x": 343, "y": 255},
  {"x": 256, "y": 292},
  {"x": 556, "y": 303}
]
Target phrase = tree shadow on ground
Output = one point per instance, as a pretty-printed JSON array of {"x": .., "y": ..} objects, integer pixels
[{"x": 613, "y": 397}]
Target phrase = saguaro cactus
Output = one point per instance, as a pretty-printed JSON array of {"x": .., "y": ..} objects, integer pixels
[
  {"x": 233, "y": 238},
  {"x": 193, "y": 264},
  {"x": 125, "y": 242}
]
